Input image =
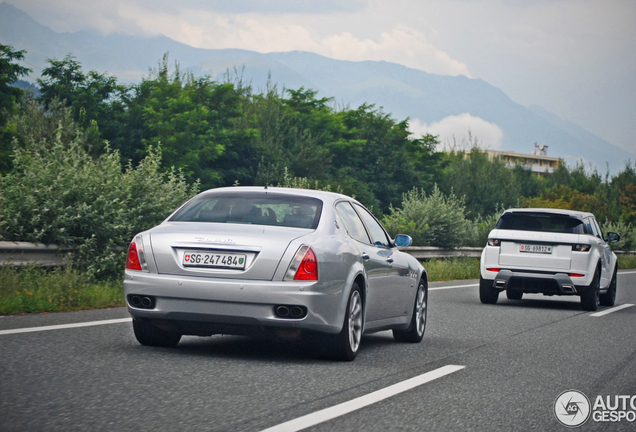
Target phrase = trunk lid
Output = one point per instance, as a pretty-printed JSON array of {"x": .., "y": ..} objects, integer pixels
[
  {"x": 533, "y": 249},
  {"x": 256, "y": 249}
]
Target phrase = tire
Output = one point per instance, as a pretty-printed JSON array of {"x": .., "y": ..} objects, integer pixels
[
  {"x": 487, "y": 294},
  {"x": 609, "y": 298},
  {"x": 514, "y": 295},
  {"x": 415, "y": 332},
  {"x": 346, "y": 344},
  {"x": 590, "y": 298},
  {"x": 148, "y": 334}
]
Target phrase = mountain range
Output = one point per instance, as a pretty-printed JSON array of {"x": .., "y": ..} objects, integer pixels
[{"x": 399, "y": 90}]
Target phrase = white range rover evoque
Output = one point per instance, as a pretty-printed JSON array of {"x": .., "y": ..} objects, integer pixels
[{"x": 549, "y": 251}]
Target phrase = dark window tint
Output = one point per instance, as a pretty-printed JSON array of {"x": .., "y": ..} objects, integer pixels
[
  {"x": 352, "y": 222},
  {"x": 378, "y": 236},
  {"x": 546, "y": 222},
  {"x": 257, "y": 208}
]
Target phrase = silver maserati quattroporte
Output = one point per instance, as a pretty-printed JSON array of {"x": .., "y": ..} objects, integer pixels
[{"x": 258, "y": 260}]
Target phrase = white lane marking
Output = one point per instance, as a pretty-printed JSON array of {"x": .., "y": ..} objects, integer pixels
[
  {"x": 64, "y": 326},
  {"x": 626, "y": 272},
  {"x": 452, "y": 287},
  {"x": 614, "y": 309},
  {"x": 330, "y": 413}
]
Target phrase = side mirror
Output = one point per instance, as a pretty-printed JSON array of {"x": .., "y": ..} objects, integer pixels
[
  {"x": 613, "y": 237},
  {"x": 402, "y": 240}
]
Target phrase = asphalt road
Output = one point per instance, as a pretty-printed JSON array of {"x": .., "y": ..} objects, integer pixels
[{"x": 516, "y": 357}]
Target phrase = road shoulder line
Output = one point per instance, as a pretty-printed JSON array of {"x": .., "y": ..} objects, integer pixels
[{"x": 64, "y": 326}]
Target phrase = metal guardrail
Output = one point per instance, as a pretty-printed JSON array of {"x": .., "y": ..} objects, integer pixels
[
  {"x": 20, "y": 254},
  {"x": 427, "y": 252}
]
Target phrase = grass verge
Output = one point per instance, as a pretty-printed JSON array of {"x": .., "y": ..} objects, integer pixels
[
  {"x": 32, "y": 290},
  {"x": 626, "y": 262},
  {"x": 445, "y": 269}
]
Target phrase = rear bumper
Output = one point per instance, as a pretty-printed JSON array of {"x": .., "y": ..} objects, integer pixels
[
  {"x": 531, "y": 282},
  {"x": 195, "y": 305}
]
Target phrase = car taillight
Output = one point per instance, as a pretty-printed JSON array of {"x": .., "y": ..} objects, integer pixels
[
  {"x": 581, "y": 247},
  {"x": 136, "y": 256},
  {"x": 493, "y": 269},
  {"x": 576, "y": 274},
  {"x": 304, "y": 266},
  {"x": 494, "y": 242},
  {"x": 132, "y": 262}
]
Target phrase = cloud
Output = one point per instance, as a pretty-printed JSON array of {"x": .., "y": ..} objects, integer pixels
[
  {"x": 458, "y": 130},
  {"x": 403, "y": 45},
  {"x": 274, "y": 7}
]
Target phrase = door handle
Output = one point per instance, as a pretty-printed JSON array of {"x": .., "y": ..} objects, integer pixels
[
  {"x": 389, "y": 260},
  {"x": 365, "y": 256}
]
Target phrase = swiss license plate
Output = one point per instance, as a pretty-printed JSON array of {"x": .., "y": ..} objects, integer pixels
[
  {"x": 541, "y": 249},
  {"x": 213, "y": 259}
]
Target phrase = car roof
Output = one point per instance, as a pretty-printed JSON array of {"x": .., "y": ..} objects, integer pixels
[
  {"x": 574, "y": 213},
  {"x": 322, "y": 195}
]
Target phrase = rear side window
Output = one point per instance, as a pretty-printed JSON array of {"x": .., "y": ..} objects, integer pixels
[
  {"x": 352, "y": 222},
  {"x": 545, "y": 222},
  {"x": 257, "y": 208}
]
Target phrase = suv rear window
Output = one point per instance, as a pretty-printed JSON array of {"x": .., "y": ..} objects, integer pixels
[
  {"x": 547, "y": 222},
  {"x": 257, "y": 208}
]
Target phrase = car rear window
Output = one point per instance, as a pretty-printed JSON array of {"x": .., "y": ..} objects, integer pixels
[
  {"x": 547, "y": 222},
  {"x": 259, "y": 208}
]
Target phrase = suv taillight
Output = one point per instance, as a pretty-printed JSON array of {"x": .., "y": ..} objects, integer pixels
[
  {"x": 304, "y": 266},
  {"x": 581, "y": 247},
  {"x": 494, "y": 242}
]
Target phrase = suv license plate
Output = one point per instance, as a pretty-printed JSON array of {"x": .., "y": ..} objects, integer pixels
[
  {"x": 535, "y": 249},
  {"x": 215, "y": 260}
]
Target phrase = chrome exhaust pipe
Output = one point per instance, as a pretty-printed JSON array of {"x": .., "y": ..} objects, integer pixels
[{"x": 282, "y": 311}]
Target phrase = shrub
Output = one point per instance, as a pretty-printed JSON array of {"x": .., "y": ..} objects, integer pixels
[
  {"x": 431, "y": 220},
  {"x": 627, "y": 232},
  {"x": 58, "y": 194}
]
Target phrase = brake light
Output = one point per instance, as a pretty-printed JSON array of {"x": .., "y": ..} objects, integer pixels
[
  {"x": 581, "y": 247},
  {"x": 493, "y": 269},
  {"x": 494, "y": 242},
  {"x": 576, "y": 274},
  {"x": 304, "y": 266},
  {"x": 132, "y": 262}
]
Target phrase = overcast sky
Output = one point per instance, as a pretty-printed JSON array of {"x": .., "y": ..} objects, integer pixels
[{"x": 576, "y": 58}]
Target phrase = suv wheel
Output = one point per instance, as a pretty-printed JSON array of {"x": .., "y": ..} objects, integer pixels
[
  {"x": 609, "y": 298},
  {"x": 487, "y": 294},
  {"x": 590, "y": 298}
]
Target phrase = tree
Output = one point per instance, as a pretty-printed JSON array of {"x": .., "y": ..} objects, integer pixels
[
  {"x": 486, "y": 184},
  {"x": 94, "y": 97},
  {"x": 10, "y": 73},
  {"x": 192, "y": 119}
]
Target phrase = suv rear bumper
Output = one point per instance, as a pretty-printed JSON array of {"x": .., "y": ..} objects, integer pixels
[{"x": 531, "y": 282}]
